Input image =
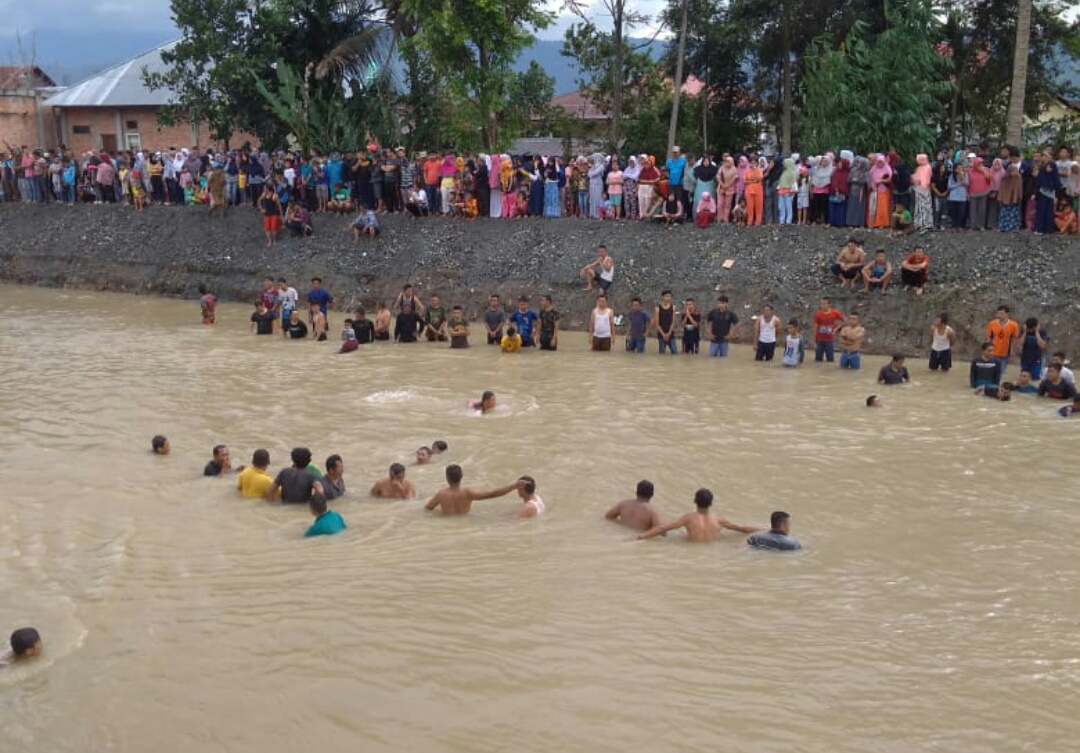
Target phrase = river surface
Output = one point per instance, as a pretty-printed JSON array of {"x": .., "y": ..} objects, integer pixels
[{"x": 934, "y": 608}]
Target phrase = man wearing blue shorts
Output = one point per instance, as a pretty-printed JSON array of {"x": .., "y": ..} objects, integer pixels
[{"x": 851, "y": 339}]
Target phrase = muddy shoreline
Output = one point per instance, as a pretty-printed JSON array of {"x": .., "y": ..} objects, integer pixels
[{"x": 169, "y": 251}]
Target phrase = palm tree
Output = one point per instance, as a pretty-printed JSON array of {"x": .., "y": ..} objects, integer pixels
[{"x": 1018, "y": 90}]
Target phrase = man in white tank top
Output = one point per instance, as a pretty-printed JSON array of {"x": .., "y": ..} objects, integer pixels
[
  {"x": 600, "y": 324},
  {"x": 601, "y": 271},
  {"x": 765, "y": 329}
]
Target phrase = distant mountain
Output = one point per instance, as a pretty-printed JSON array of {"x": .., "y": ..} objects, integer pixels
[{"x": 548, "y": 55}]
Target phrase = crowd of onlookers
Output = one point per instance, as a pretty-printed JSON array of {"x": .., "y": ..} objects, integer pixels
[{"x": 965, "y": 190}]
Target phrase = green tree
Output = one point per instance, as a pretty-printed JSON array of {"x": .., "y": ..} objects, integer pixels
[
  {"x": 472, "y": 44},
  {"x": 226, "y": 46},
  {"x": 596, "y": 53},
  {"x": 877, "y": 92}
]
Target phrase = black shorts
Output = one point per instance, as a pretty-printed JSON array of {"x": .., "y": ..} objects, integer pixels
[
  {"x": 601, "y": 343},
  {"x": 495, "y": 339},
  {"x": 435, "y": 338},
  {"x": 603, "y": 284},
  {"x": 765, "y": 351},
  {"x": 383, "y": 336},
  {"x": 941, "y": 359},
  {"x": 545, "y": 344},
  {"x": 847, "y": 274}
]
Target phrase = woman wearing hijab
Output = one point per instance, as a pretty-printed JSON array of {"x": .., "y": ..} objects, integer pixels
[
  {"x": 1047, "y": 185},
  {"x": 857, "y": 182},
  {"x": 596, "y": 185},
  {"x": 785, "y": 191},
  {"x": 838, "y": 194},
  {"x": 1010, "y": 192},
  {"x": 508, "y": 181},
  {"x": 552, "y": 204},
  {"x": 704, "y": 181},
  {"x": 535, "y": 172},
  {"x": 939, "y": 190},
  {"x": 978, "y": 194},
  {"x": 755, "y": 191},
  {"x": 647, "y": 180},
  {"x": 630, "y": 186},
  {"x": 958, "y": 198},
  {"x": 923, "y": 215},
  {"x": 727, "y": 188},
  {"x": 881, "y": 196},
  {"x": 820, "y": 184},
  {"x": 705, "y": 214}
]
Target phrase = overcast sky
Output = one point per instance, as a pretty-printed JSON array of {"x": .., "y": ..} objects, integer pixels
[{"x": 90, "y": 16}]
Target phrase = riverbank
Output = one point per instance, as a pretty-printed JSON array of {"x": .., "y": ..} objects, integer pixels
[{"x": 170, "y": 251}]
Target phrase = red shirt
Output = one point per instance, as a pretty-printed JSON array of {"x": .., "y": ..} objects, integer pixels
[{"x": 825, "y": 325}]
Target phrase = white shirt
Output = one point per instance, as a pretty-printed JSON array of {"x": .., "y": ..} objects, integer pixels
[
  {"x": 537, "y": 503},
  {"x": 602, "y": 323},
  {"x": 607, "y": 275},
  {"x": 767, "y": 329},
  {"x": 288, "y": 298},
  {"x": 941, "y": 341}
]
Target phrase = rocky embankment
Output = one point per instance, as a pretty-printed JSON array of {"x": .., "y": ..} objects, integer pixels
[{"x": 170, "y": 251}]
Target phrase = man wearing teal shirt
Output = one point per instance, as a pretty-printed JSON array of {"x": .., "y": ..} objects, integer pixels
[{"x": 327, "y": 522}]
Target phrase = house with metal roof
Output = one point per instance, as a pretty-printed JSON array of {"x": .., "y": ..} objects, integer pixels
[{"x": 114, "y": 111}]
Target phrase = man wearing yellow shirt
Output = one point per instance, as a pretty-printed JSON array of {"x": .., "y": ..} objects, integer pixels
[
  {"x": 511, "y": 342},
  {"x": 254, "y": 480}
]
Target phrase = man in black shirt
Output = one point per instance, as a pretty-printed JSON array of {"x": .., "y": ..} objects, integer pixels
[
  {"x": 363, "y": 327},
  {"x": 721, "y": 324},
  {"x": 549, "y": 325},
  {"x": 664, "y": 317},
  {"x": 894, "y": 372},
  {"x": 296, "y": 328},
  {"x": 262, "y": 321},
  {"x": 407, "y": 325},
  {"x": 494, "y": 319},
  {"x": 985, "y": 370},
  {"x": 220, "y": 463},
  {"x": 297, "y": 484}
]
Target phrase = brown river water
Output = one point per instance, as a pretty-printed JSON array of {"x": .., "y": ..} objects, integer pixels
[{"x": 934, "y": 607}]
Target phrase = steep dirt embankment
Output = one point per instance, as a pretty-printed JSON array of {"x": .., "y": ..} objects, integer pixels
[{"x": 169, "y": 251}]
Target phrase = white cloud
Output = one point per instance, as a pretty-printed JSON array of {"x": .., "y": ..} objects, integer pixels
[
  {"x": 597, "y": 13},
  {"x": 29, "y": 17}
]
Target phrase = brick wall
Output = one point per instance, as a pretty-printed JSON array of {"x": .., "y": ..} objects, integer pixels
[
  {"x": 107, "y": 124},
  {"x": 18, "y": 121}
]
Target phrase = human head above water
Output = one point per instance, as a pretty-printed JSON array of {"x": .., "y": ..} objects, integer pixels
[
  {"x": 301, "y": 457},
  {"x": 780, "y": 521},
  {"x": 703, "y": 499},
  {"x": 25, "y": 642},
  {"x": 487, "y": 401},
  {"x": 260, "y": 459},
  {"x": 423, "y": 455},
  {"x": 644, "y": 490},
  {"x": 454, "y": 474},
  {"x": 159, "y": 445}
]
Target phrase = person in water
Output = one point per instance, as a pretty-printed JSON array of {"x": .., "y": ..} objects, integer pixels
[
  {"x": 701, "y": 526},
  {"x": 159, "y": 445},
  {"x": 637, "y": 513},
  {"x": 1001, "y": 392},
  {"x": 394, "y": 486},
  {"x": 333, "y": 481},
  {"x": 327, "y": 522},
  {"x": 486, "y": 404},
  {"x": 297, "y": 484},
  {"x": 778, "y": 537},
  {"x": 1068, "y": 411},
  {"x": 531, "y": 503},
  {"x": 874, "y": 402},
  {"x": 25, "y": 643},
  {"x": 423, "y": 456},
  {"x": 208, "y": 305},
  {"x": 220, "y": 462},
  {"x": 894, "y": 372},
  {"x": 253, "y": 482},
  {"x": 457, "y": 500},
  {"x": 438, "y": 447}
]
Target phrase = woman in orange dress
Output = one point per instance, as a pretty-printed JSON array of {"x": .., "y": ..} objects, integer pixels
[
  {"x": 881, "y": 186},
  {"x": 755, "y": 193}
]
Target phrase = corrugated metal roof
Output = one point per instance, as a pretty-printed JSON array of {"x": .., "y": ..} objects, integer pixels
[{"x": 119, "y": 86}]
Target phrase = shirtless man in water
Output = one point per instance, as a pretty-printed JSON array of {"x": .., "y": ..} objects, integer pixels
[
  {"x": 702, "y": 526},
  {"x": 637, "y": 513},
  {"x": 395, "y": 486},
  {"x": 457, "y": 500}
]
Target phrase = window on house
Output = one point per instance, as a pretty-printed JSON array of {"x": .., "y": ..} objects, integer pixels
[
  {"x": 81, "y": 130},
  {"x": 133, "y": 125},
  {"x": 134, "y": 141}
]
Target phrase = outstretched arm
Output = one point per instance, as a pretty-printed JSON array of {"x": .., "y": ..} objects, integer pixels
[
  {"x": 741, "y": 529},
  {"x": 502, "y": 491},
  {"x": 432, "y": 503},
  {"x": 662, "y": 530}
]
